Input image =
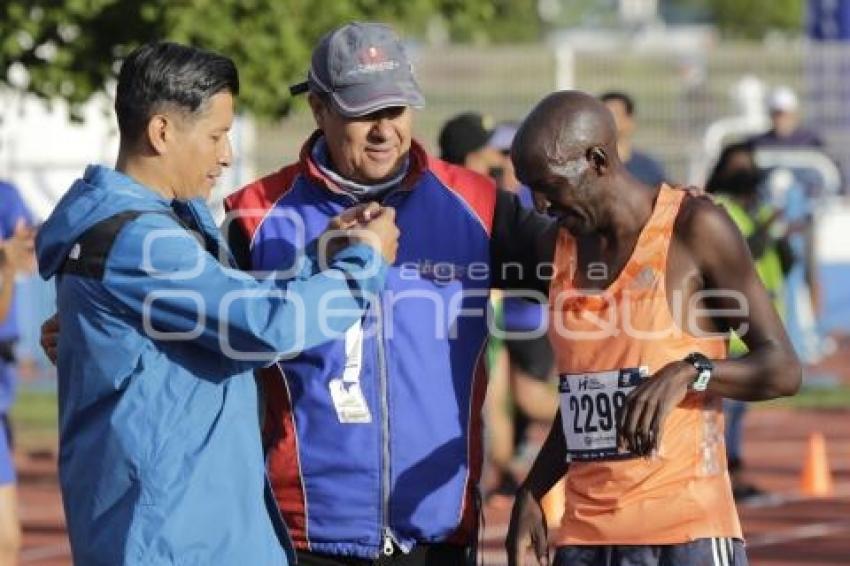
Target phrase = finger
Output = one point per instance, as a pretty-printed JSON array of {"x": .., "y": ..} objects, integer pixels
[
  {"x": 389, "y": 211},
  {"x": 640, "y": 407},
  {"x": 335, "y": 223},
  {"x": 48, "y": 343},
  {"x": 352, "y": 216},
  {"x": 49, "y": 324},
  {"x": 658, "y": 427},
  {"x": 351, "y": 213},
  {"x": 541, "y": 544},
  {"x": 516, "y": 550},
  {"x": 655, "y": 437},
  {"x": 370, "y": 211},
  {"x": 20, "y": 228},
  {"x": 51, "y": 352},
  {"x": 630, "y": 417},
  {"x": 644, "y": 427}
]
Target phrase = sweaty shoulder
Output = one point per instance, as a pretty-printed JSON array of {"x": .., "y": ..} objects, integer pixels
[
  {"x": 707, "y": 231},
  {"x": 477, "y": 191}
]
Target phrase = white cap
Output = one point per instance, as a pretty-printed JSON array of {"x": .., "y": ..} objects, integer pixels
[
  {"x": 782, "y": 99},
  {"x": 503, "y": 136}
]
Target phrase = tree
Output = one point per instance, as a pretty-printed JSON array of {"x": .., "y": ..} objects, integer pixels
[
  {"x": 71, "y": 49},
  {"x": 754, "y": 18},
  {"x": 748, "y": 19}
]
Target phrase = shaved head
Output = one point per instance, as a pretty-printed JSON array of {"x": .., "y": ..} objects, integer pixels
[
  {"x": 563, "y": 127},
  {"x": 566, "y": 152}
]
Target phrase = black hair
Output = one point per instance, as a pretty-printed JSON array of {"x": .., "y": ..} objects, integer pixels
[
  {"x": 619, "y": 96},
  {"x": 164, "y": 73},
  {"x": 717, "y": 181}
]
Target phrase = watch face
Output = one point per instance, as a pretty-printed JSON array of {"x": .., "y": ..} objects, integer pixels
[
  {"x": 700, "y": 361},
  {"x": 701, "y": 382}
]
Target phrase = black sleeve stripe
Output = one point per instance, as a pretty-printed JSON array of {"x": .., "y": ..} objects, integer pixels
[
  {"x": 89, "y": 254},
  {"x": 239, "y": 244}
]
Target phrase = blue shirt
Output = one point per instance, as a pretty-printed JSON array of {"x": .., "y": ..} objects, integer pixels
[
  {"x": 12, "y": 209},
  {"x": 645, "y": 169},
  {"x": 799, "y": 138}
]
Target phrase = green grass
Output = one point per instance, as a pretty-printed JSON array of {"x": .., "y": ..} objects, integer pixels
[
  {"x": 35, "y": 413},
  {"x": 35, "y": 417},
  {"x": 814, "y": 398}
]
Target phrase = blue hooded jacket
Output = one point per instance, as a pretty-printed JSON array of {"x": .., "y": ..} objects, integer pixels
[{"x": 160, "y": 455}]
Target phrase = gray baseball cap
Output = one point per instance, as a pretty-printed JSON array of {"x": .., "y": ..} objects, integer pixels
[{"x": 362, "y": 66}]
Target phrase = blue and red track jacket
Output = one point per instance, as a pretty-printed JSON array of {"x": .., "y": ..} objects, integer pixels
[{"x": 375, "y": 439}]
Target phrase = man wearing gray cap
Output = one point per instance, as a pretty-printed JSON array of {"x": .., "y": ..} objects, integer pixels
[{"x": 374, "y": 441}]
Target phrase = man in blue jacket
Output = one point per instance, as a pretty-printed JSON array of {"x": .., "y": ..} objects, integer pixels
[
  {"x": 160, "y": 455},
  {"x": 374, "y": 439}
]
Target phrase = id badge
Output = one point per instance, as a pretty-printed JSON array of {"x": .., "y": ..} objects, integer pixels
[
  {"x": 591, "y": 404},
  {"x": 346, "y": 393}
]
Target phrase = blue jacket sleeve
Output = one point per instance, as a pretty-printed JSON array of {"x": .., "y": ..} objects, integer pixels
[
  {"x": 240, "y": 246},
  {"x": 160, "y": 273}
]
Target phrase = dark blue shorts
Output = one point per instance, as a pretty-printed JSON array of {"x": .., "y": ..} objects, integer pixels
[
  {"x": 701, "y": 552},
  {"x": 7, "y": 464}
]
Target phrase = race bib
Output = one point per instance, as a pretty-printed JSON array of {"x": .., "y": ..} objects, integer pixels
[{"x": 591, "y": 404}]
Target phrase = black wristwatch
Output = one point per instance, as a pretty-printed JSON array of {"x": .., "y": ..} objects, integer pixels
[{"x": 704, "y": 368}]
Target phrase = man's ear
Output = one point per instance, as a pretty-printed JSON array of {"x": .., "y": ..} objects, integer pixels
[
  {"x": 318, "y": 108},
  {"x": 159, "y": 133},
  {"x": 598, "y": 159}
]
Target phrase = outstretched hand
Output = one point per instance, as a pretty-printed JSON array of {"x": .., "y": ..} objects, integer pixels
[
  {"x": 50, "y": 338},
  {"x": 16, "y": 252},
  {"x": 370, "y": 224},
  {"x": 527, "y": 529}
]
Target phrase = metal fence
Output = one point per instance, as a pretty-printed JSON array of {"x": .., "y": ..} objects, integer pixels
[{"x": 680, "y": 93}]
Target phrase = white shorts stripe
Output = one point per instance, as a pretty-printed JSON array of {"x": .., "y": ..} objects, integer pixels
[
  {"x": 714, "y": 552},
  {"x": 724, "y": 554}
]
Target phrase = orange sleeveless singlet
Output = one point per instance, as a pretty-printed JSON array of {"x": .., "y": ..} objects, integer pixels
[{"x": 682, "y": 493}]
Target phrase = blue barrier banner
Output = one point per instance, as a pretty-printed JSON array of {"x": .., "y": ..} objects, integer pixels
[{"x": 829, "y": 20}]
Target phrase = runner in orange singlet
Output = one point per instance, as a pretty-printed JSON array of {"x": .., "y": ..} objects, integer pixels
[{"x": 647, "y": 283}]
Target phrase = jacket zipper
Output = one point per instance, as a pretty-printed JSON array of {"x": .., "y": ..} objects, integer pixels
[
  {"x": 390, "y": 543},
  {"x": 389, "y": 540},
  {"x": 386, "y": 533}
]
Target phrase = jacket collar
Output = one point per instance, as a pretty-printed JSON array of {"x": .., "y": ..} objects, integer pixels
[{"x": 418, "y": 166}]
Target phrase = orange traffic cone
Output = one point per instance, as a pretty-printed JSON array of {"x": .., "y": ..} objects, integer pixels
[
  {"x": 553, "y": 505},
  {"x": 816, "y": 480}
]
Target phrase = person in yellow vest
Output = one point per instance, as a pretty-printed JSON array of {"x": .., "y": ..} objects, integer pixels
[
  {"x": 647, "y": 284},
  {"x": 734, "y": 182}
]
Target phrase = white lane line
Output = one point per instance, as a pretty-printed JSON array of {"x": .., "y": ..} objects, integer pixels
[
  {"x": 816, "y": 530},
  {"x": 779, "y": 499},
  {"x": 39, "y": 553}
]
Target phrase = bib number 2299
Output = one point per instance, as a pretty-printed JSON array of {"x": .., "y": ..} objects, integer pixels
[
  {"x": 600, "y": 411},
  {"x": 591, "y": 404}
]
